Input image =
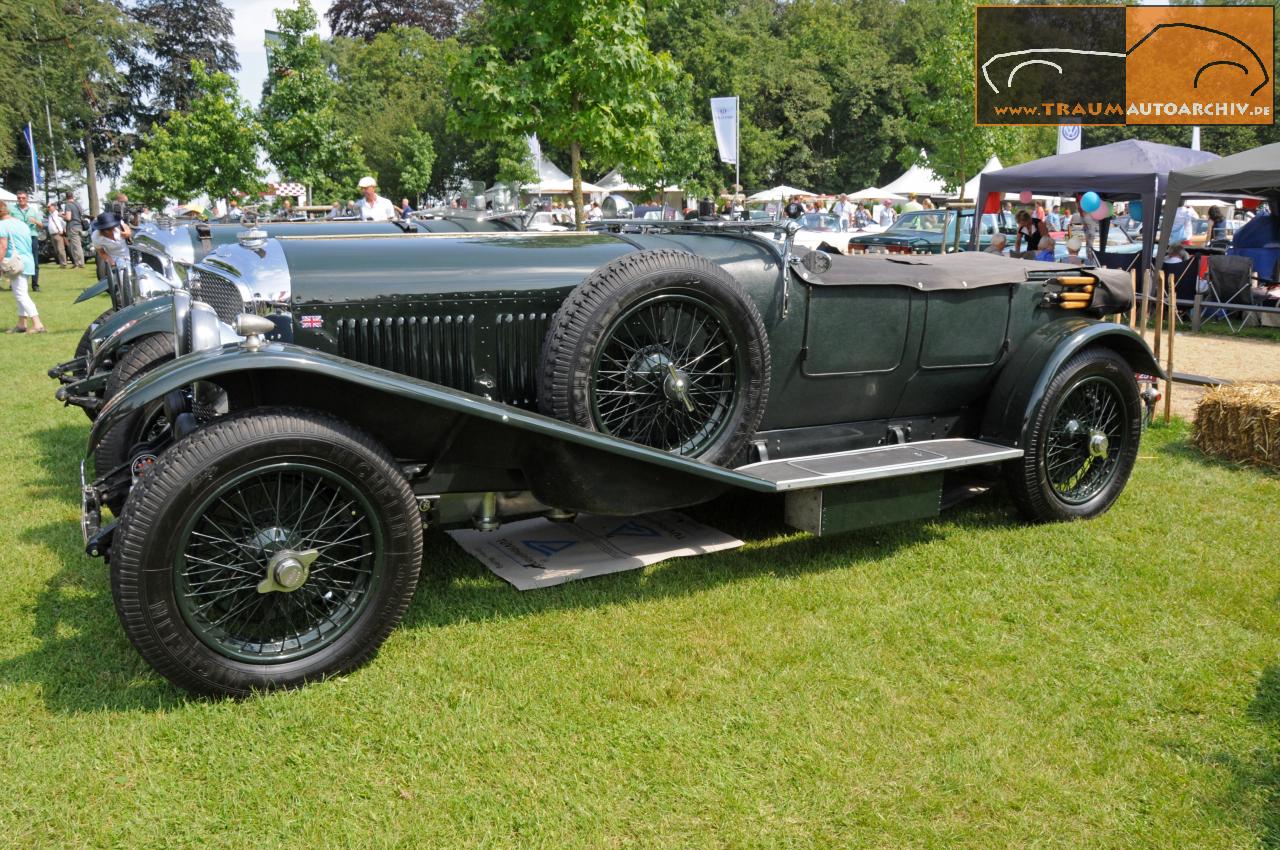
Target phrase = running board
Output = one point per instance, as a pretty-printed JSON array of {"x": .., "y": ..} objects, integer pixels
[{"x": 896, "y": 461}]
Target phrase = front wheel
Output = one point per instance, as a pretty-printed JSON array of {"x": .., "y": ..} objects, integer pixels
[
  {"x": 266, "y": 550},
  {"x": 1082, "y": 440}
]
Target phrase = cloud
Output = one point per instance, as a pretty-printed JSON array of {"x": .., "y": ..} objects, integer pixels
[{"x": 252, "y": 18}]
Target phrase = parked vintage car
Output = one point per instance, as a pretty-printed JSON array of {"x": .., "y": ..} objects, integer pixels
[
  {"x": 271, "y": 495},
  {"x": 136, "y": 331},
  {"x": 935, "y": 231}
]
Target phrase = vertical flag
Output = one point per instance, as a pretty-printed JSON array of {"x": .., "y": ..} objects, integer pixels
[
  {"x": 1195, "y": 138},
  {"x": 1069, "y": 138},
  {"x": 35, "y": 160},
  {"x": 724, "y": 117}
]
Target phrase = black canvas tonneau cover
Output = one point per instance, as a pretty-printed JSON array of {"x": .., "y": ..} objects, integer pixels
[{"x": 969, "y": 270}]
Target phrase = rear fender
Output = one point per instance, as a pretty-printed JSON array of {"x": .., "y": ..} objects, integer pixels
[
  {"x": 454, "y": 437},
  {"x": 99, "y": 288},
  {"x": 1022, "y": 384},
  {"x": 154, "y": 315}
]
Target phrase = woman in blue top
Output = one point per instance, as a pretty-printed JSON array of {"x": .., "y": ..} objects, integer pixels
[{"x": 15, "y": 241}]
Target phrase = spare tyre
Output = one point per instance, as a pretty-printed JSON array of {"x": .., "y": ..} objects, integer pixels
[{"x": 661, "y": 348}]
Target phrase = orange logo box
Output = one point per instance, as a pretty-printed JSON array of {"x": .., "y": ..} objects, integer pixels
[{"x": 1200, "y": 65}]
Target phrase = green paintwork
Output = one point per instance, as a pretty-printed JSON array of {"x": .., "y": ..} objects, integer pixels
[
  {"x": 154, "y": 315},
  {"x": 1022, "y": 385},
  {"x": 849, "y": 507},
  {"x": 98, "y": 288},
  {"x": 301, "y": 363},
  {"x": 930, "y": 239}
]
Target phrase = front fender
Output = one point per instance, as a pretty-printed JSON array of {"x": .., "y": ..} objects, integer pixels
[
  {"x": 1022, "y": 384},
  {"x": 571, "y": 466},
  {"x": 154, "y": 315},
  {"x": 98, "y": 288}
]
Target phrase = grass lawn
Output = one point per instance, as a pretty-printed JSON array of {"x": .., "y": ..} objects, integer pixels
[{"x": 971, "y": 682}]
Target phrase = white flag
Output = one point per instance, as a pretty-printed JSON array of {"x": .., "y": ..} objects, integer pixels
[
  {"x": 1069, "y": 138},
  {"x": 535, "y": 149},
  {"x": 724, "y": 117}
]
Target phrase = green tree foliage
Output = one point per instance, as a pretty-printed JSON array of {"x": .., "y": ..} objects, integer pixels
[
  {"x": 405, "y": 141},
  {"x": 364, "y": 19},
  {"x": 579, "y": 73},
  {"x": 304, "y": 130},
  {"x": 182, "y": 32},
  {"x": 209, "y": 149}
]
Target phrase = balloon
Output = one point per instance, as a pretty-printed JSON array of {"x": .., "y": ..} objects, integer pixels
[
  {"x": 1025, "y": 196},
  {"x": 1135, "y": 210},
  {"x": 1103, "y": 210},
  {"x": 1090, "y": 201}
]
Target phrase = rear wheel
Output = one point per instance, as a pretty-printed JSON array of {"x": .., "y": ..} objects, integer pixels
[
  {"x": 267, "y": 550},
  {"x": 1083, "y": 440},
  {"x": 661, "y": 348}
]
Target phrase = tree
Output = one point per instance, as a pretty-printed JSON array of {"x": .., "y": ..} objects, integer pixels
[
  {"x": 579, "y": 73},
  {"x": 210, "y": 149},
  {"x": 304, "y": 130},
  {"x": 364, "y": 19},
  {"x": 182, "y": 32}
]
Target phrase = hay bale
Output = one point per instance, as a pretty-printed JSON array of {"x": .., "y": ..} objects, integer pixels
[{"x": 1240, "y": 422}]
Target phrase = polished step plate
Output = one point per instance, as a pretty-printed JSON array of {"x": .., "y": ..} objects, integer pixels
[{"x": 800, "y": 473}]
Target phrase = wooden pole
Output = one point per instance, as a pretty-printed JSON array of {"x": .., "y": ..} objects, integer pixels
[
  {"x": 1168, "y": 369},
  {"x": 1142, "y": 309},
  {"x": 1159, "y": 316},
  {"x": 1133, "y": 303}
]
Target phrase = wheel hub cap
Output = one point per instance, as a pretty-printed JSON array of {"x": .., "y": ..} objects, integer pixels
[
  {"x": 1099, "y": 445},
  {"x": 287, "y": 571}
]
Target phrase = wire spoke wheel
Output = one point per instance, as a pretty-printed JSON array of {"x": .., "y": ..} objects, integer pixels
[
  {"x": 667, "y": 374},
  {"x": 1085, "y": 440},
  {"x": 278, "y": 562}
]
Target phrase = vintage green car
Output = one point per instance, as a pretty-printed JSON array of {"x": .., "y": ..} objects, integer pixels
[
  {"x": 271, "y": 496},
  {"x": 140, "y": 317}
]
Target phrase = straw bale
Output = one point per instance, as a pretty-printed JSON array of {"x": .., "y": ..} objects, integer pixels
[{"x": 1240, "y": 422}]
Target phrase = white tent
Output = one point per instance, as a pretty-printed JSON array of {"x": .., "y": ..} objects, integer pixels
[
  {"x": 778, "y": 193},
  {"x": 6, "y": 195},
  {"x": 615, "y": 182},
  {"x": 552, "y": 181},
  {"x": 918, "y": 179},
  {"x": 871, "y": 193},
  {"x": 971, "y": 188}
]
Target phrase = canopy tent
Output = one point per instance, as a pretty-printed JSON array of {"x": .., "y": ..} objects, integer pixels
[
  {"x": 779, "y": 193},
  {"x": 614, "y": 182},
  {"x": 918, "y": 179},
  {"x": 552, "y": 181},
  {"x": 1121, "y": 171},
  {"x": 1254, "y": 173},
  {"x": 970, "y": 189},
  {"x": 6, "y": 195},
  {"x": 871, "y": 193}
]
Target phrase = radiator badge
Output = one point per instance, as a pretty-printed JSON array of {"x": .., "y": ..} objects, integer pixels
[{"x": 312, "y": 322}]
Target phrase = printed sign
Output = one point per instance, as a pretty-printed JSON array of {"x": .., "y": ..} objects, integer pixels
[
  {"x": 535, "y": 553},
  {"x": 1131, "y": 65},
  {"x": 724, "y": 118}
]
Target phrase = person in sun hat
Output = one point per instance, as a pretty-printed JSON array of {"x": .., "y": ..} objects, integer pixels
[
  {"x": 111, "y": 240},
  {"x": 374, "y": 207}
]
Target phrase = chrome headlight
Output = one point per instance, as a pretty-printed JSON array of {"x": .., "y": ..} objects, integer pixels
[
  {"x": 148, "y": 283},
  {"x": 205, "y": 331}
]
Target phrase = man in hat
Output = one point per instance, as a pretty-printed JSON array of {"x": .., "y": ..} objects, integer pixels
[
  {"x": 374, "y": 207},
  {"x": 111, "y": 240}
]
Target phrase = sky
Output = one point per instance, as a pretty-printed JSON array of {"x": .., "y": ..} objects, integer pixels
[{"x": 252, "y": 17}]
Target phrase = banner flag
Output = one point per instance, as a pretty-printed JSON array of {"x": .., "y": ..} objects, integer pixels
[
  {"x": 1069, "y": 138},
  {"x": 1195, "y": 138},
  {"x": 724, "y": 117},
  {"x": 35, "y": 160}
]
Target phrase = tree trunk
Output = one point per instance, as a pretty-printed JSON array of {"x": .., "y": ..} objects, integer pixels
[
  {"x": 575, "y": 171},
  {"x": 91, "y": 175}
]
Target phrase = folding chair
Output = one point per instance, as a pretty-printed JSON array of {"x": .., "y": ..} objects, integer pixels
[{"x": 1230, "y": 282}]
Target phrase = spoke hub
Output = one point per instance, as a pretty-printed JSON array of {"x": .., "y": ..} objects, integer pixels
[
  {"x": 287, "y": 571},
  {"x": 1099, "y": 445}
]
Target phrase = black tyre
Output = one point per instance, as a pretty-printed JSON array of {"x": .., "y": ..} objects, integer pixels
[
  {"x": 1083, "y": 440},
  {"x": 266, "y": 550},
  {"x": 661, "y": 348},
  {"x": 138, "y": 438}
]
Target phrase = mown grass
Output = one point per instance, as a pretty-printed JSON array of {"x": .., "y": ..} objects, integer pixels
[{"x": 971, "y": 682}]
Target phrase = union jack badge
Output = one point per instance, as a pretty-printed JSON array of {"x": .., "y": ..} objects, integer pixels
[{"x": 312, "y": 322}]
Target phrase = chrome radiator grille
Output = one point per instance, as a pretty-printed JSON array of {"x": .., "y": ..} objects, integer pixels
[
  {"x": 434, "y": 348},
  {"x": 520, "y": 337},
  {"x": 218, "y": 292}
]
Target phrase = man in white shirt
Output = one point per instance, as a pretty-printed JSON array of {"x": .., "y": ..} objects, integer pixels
[
  {"x": 111, "y": 236},
  {"x": 56, "y": 226},
  {"x": 374, "y": 207}
]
